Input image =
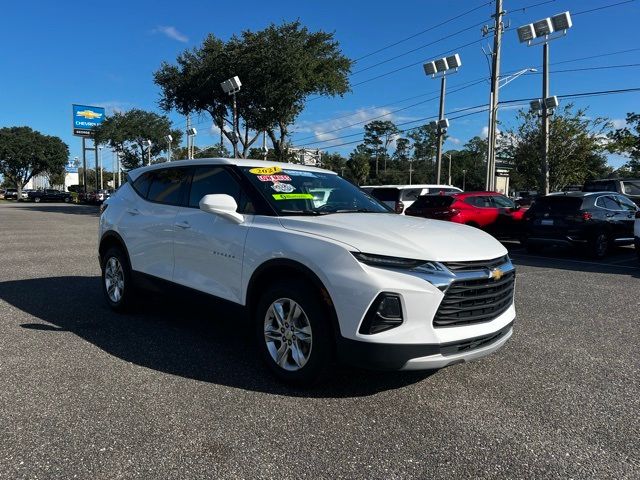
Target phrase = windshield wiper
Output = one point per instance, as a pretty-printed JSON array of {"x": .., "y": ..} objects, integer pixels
[{"x": 303, "y": 212}]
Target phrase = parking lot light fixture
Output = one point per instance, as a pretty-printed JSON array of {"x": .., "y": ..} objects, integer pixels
[
  {"x": 542, "y": 32},
  {"x": 441, "y": 67},
  {"x": 232, "y": 87}
]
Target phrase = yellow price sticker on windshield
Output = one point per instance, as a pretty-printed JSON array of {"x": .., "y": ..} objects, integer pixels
[
  {"x": 292, "y": 196},
  {"x": 265, "y": 170}
]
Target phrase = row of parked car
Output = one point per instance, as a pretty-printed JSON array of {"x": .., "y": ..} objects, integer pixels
[
  {"x": 592, "y": 219},
  {"x": 53, "y": 195}
]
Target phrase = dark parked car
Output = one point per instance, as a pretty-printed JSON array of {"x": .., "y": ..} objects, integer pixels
[
  {"x": 10, "y": 194},
  {"x": 489, "y": 211},
  {"x": 628, "y": 187},
  {"x": 592, "y": 220},
  {"x": 49, "y": 195}
]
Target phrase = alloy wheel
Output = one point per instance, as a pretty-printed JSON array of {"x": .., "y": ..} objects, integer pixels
[
  {"x": 114, "y": 279},
  {"x": 287, "y": 334}
]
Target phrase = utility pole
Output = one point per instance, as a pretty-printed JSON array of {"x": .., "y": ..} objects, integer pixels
[
  {"x": 100, "y": 162},
  {"x": 188, "y": 137},
  {"x": 410, "y": 170},
  {"x": 443, "y": 87},
  {"x": 264, "y": 145},
  {"x": 449, "y": 155},
  {"x": 493, "y": 96},
  {"x": 545, "y": 118}
]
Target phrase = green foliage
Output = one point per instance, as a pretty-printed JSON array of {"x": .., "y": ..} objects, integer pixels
[
  {"x": 334, "y": 162},
  {"x": 25, "y": 153},
  {"x": 627, "y": 141},
  {"x": 358, "y": 165},
  {"x": 279, "y": 67},
  {"x": 127, "y": 133},
  {"x": 576, "y": 149},
  {"x": 378, "y": 136},
  {"x": 210, "y": 152}
]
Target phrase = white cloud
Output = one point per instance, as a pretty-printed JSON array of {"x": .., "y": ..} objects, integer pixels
[
  {"x": 619, "y": 122},
  {"x": 454, "y": 140},
  {"x": 484, "y": 133},
  {"x": 171, "y": 32},
  {"x": 113, "y": 106},
  {"x": 331, "y": 130}
]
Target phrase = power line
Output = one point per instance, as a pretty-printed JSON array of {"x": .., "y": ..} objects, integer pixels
[
  {"x": 423, "y": 31},
  {"x": 388, "y": 113},
  {"x": 601, "y": 7},
  {"x": 523, "y": 101}
]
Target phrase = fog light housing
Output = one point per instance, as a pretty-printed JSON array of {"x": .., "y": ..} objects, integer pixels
[{"x": 384, "y": 314}]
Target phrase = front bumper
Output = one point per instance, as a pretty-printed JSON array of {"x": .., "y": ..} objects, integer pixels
[{"x": 382, "y": 356}]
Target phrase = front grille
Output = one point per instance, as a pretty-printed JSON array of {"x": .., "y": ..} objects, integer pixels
[
  {"x": 476, "y": 265},
  {"x": 475, "y": 301}
]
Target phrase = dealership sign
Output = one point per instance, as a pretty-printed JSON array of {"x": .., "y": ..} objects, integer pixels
[
  {"x": 72, "y": 166},
  {"x": 86, "y": 119}
]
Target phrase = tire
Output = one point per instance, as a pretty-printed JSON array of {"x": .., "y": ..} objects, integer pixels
[
  {"x": 599, "y": 246},
  {"x": 37, "y": 199},
  {"x": 67, "y": 199},
  {"x": 307, "y": 340},
  {"x": 116, "y": 269}
]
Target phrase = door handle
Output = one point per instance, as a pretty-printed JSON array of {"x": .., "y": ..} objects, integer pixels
[
  {"x": 183, "y": 225},
  {"x": 133, "y": 211}
]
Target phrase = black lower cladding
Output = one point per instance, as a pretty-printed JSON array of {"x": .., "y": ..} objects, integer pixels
[
  {"x": 380, "y": 356},
  {"x": 475, "y": 301}
]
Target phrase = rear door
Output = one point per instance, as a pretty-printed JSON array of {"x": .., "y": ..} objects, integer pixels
[
  {"x": 388, "y": 196},
  {"x": 432, "y": 206},
  {"x": 148, "y": 223}
]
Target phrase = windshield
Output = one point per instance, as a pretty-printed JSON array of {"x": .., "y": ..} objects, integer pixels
[{"x": 303, "y": 192}]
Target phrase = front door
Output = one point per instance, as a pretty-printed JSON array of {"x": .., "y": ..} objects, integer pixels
[{"x": 209, "y": 249}]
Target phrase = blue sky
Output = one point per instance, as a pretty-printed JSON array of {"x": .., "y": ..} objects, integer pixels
[{"x": 104, "y": 53}]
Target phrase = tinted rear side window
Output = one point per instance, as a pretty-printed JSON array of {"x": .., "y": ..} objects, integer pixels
[
  {"x": 167, "y": 186},
  {"x": 385, "y": 194},
  {"x": 141, "y": 185},
  {"x": 631, "y": 188},
  {"x": 561, "y": 205},
  {"x": 433, "y": 201}
]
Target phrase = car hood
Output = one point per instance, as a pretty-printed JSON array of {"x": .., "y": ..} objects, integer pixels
[{"x": 401, "y": 236}]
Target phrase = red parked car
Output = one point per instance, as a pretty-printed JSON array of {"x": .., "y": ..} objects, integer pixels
[{"x": 489, "y": 211}]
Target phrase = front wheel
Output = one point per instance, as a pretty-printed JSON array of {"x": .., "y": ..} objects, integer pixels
[
  {"x": 37, "y": 199},
  {"x": 67, "y": 199},
  {"x": 294, "y": 333}
]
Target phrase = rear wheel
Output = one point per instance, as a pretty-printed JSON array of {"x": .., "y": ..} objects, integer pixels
[
  {"x": 599, "y": 245},
  {"x": 116, "y": 279},
  {"x": 294, "y": 333}
]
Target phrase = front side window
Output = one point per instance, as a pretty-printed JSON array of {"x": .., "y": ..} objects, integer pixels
[
  {"x": 302, "y": 192},
  {"x": 212, "y": 180},
  {"x": 167, "y": 185}
]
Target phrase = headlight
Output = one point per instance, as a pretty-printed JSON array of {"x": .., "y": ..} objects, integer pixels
[{"x": 384, "y": 261}]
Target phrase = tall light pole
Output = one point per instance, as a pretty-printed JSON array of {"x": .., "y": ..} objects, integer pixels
[
  {"x": 440, "y": 68},
  {"x": 232, "y": 87},
  {"x": 100, "y": 162},
  {"x": 464, "y": 179},
  {"x": 536, "y": 33},
  {"x": 169, "y": 139},
  {"x": 449, "y": 182},
  {"x": 191, "y": 133}
]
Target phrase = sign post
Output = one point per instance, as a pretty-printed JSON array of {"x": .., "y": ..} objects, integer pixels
[{"x": 85, "y": 119}]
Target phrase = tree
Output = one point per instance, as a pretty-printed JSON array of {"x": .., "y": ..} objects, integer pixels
[
  {"x": 576, "y": 149},
  {"x": 334, "y": 162},
  {"x": 279, "y": 67},
  {"x": 128, "y": 132},
  {"x": 358, "y": 165},
  {"x": 25, "y": 153},
  {"x": 209, "y": 152},
  {"x": 627, "y": 141},
  {"x": 378, "y": 136},
  {"x": 424, "y": 139}
]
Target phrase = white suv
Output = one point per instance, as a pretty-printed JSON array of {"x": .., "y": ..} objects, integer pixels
[{"x": 340, "y": 277}]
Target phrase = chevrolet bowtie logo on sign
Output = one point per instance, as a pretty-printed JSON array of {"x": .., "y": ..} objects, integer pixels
[
  {"x": 85, "y": 119},
  {"x": 496, "y": 274},
  {"x": 88, "y": 114}
]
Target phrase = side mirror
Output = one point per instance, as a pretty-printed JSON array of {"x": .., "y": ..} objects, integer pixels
[{"x": 223, "y": 205}]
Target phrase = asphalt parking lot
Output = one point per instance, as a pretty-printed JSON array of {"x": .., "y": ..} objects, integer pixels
[{"x": 174, "y": 390}]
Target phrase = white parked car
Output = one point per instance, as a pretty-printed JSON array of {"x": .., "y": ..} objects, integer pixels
[
  {"x": 341, "y": 278},
  {"x": 401, "y": 197}
]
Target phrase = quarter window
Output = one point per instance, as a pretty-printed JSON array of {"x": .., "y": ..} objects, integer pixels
[
  {"x": 141, "y": 185},
  {"x": 626, "y": 204},
  {"x": 167, "y": 186},
  {"x": 607, "y": 203}
]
